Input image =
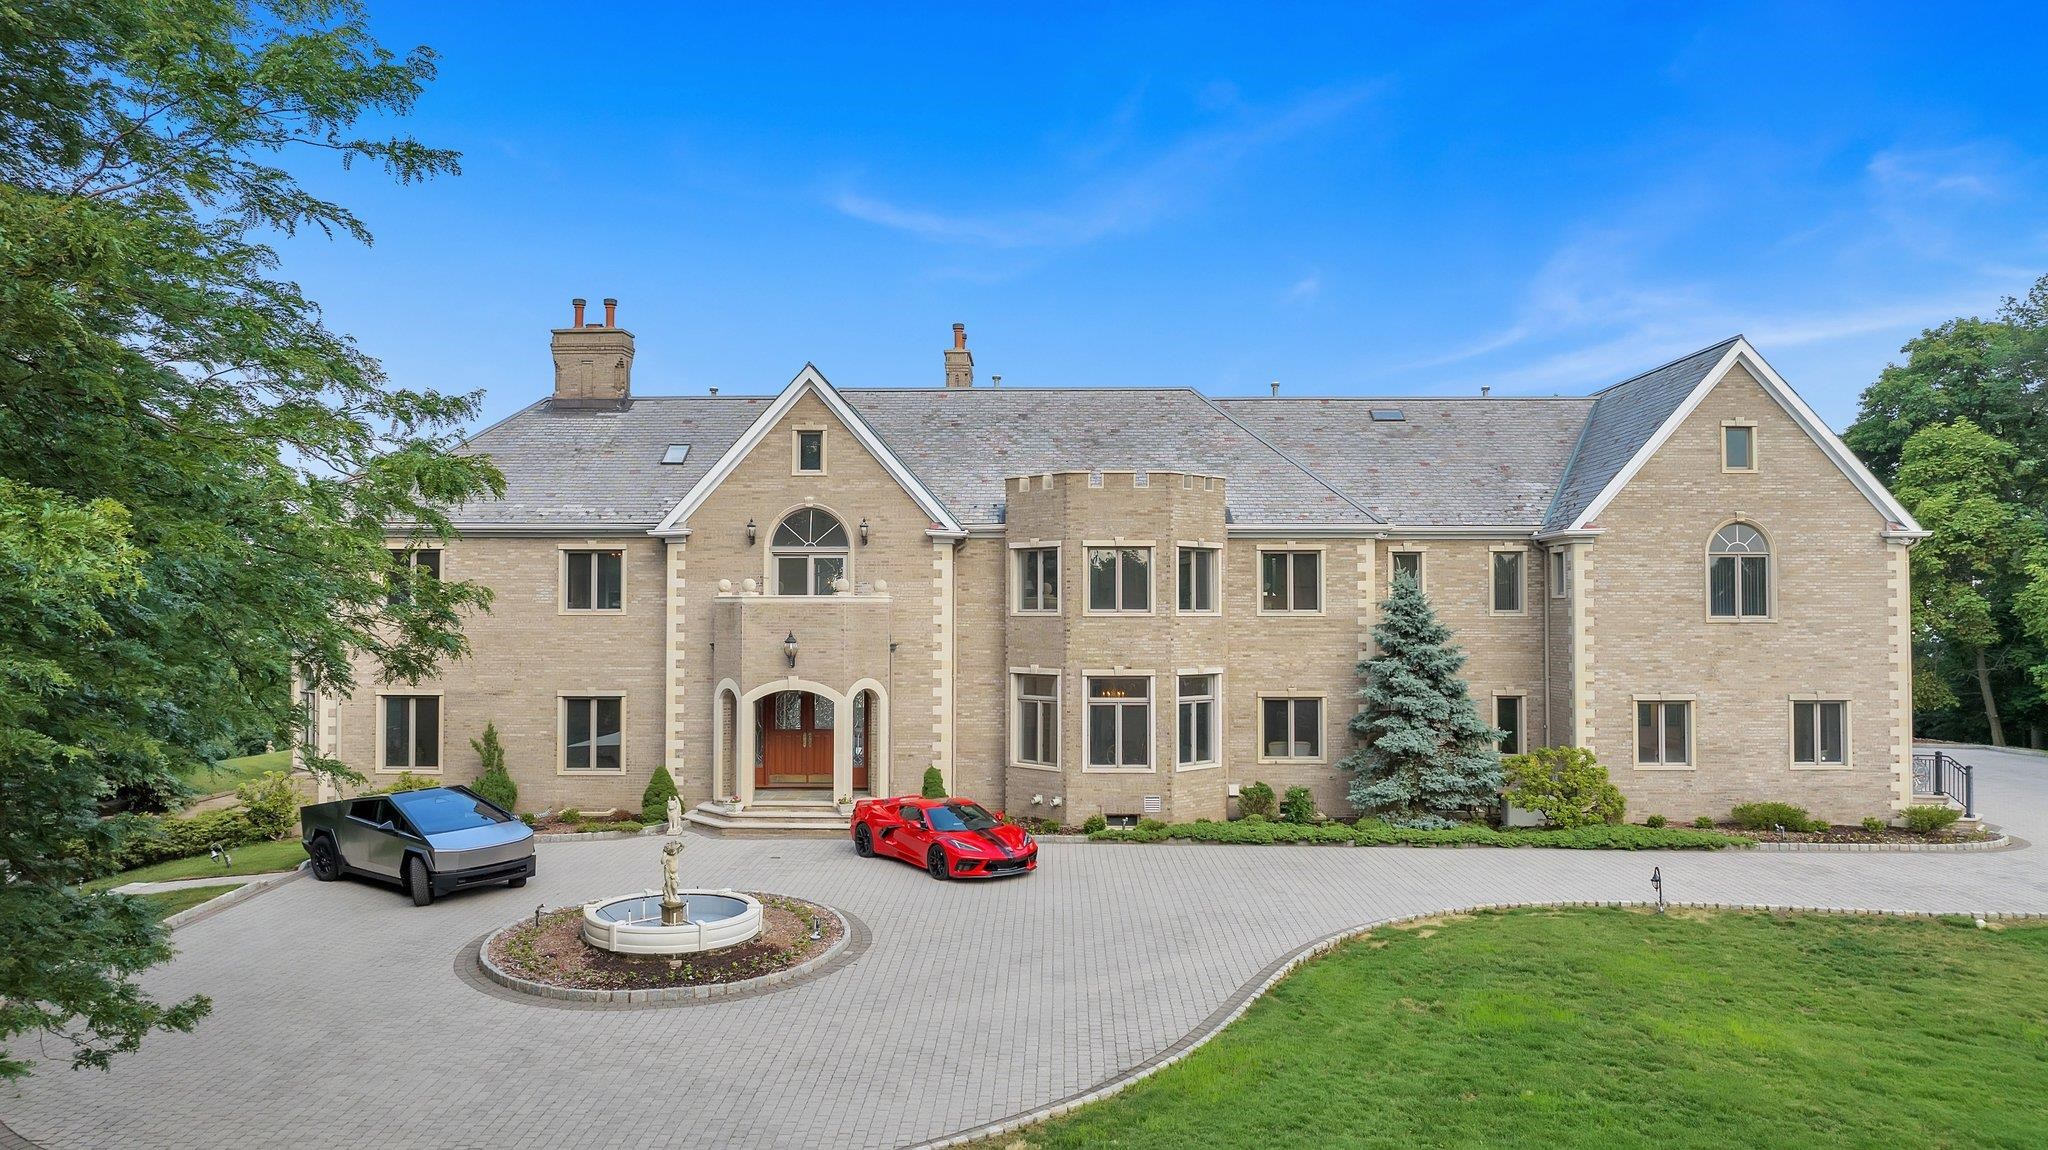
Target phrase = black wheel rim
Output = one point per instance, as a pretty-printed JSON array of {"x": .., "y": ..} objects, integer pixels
[
  {"x": 323, "y": 858},
  {"x": 861, "y": 841},
  {"x": 935, "y": 862}
]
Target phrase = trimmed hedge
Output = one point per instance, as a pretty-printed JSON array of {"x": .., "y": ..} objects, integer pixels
[
  {"x": 1371, "y": 832},
  {"x": 661, "y": 787},
  {"x": 934, "y": 783}
]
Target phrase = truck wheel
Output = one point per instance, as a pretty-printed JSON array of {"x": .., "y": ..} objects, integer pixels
[
  {"x": 326, "y": 860},
  {"x": 418, "y": 882}
]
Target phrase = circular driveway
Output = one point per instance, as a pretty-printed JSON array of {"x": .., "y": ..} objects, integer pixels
[{"x": 339, "y": 1019}]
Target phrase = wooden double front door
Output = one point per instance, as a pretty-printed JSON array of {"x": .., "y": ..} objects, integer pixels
[{"x": 797, "y": 731}]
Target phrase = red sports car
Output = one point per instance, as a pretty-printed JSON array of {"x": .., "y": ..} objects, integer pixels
[{"x": 950, "y": 838}]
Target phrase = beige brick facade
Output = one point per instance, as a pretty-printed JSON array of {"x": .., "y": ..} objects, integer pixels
[{"x": 928, "y": 632}]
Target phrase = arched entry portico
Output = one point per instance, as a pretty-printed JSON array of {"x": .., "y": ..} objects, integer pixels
[{"x": 795, "y": 732}]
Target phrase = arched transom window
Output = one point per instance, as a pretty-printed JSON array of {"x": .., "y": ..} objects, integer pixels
[
  {"x": 1739, "y": 573},
  {"x": 810, "y": 553}
]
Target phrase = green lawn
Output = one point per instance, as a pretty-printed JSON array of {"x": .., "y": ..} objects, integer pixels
[
  {"x": 228, "y": 774},
  {"x": 251, "y": 858},
  {"x": 1609, "y": 1028},
  {"x": 171, "y": 902}
]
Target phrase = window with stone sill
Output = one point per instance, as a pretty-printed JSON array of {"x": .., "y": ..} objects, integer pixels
[
  {"x": 1120, "y": 579},
  {"x": 1291, "y": 581}
]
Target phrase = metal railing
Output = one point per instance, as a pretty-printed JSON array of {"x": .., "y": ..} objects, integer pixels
[{"x": 1938, "y": 773}]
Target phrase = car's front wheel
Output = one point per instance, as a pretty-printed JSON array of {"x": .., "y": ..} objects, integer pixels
[
  {"x": 326, "y": 860},
  {"x": 419, "y": 882},
  {"x": 935, "y": 863},
  {"x": 863, "y": 841}
]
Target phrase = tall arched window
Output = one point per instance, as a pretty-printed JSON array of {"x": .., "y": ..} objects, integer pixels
[
  {"x": 1739, "y": 573},
  {"x": 810, "y": 553}
]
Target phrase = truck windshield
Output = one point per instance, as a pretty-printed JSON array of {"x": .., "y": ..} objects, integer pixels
[{"x": 439, "y": 810}]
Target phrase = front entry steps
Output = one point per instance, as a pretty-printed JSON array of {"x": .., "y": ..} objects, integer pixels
[{"x": 779, "y": 817}]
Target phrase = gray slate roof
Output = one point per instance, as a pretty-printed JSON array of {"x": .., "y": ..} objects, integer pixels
[
  {"x": 1624, "y": 418},
  {"x": 963, "y": 443},
  {"x": 1448, "y": 462}
]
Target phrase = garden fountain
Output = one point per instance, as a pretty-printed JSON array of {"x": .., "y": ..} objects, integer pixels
[{"x": 673, "y": 920}]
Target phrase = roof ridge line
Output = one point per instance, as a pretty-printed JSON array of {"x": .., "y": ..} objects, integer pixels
[
  {"x": 1672, "y": 362},
  {"x": 1304, "y": 468}
]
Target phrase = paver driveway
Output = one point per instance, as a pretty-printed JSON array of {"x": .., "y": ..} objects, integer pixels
[{"x": 338, "y": 1019}]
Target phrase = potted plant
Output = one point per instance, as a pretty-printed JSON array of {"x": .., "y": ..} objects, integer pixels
[{"x": 844, "y": 804}]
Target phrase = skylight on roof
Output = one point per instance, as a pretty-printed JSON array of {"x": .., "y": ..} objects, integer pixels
[
  {"x": 676, "y": 453},
  {"x": 1387, "y": 415}
]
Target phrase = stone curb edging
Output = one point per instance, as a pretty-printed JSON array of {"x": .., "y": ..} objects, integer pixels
[
  {"x": 243, "y": 893},
  {"x": 1234, "y": 1008},
  {"x": 594, "y": 836},
  {"x": 1997, "y": 844},
  {"x": 665, "y": 996}
]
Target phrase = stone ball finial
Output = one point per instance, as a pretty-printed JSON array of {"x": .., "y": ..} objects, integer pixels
[
  {"x": 841, "y": 585},
  {"x": 750, "y": 586},
  {"x": 725, "y": 586},
  {"x": 881, "y": 586}
]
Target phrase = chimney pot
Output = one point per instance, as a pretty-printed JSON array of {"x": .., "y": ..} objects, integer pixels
[
  {"x": 959, "y": 336},
  {"x": 959, "y": 361},
  {"x": 593, "y": 361},
  {"x": 577, "y": 304},
  {"x": 611, "y": 313}
]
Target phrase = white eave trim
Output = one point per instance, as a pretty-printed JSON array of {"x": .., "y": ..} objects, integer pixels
[
  {"x": 811, "y": 380},
  {"x": 1898, "y": 520},
  {"x": 1305, "y": 530}
]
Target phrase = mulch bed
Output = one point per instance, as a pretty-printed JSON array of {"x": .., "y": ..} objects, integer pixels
[
  {"x": 555, "y": 953},
  {"x": 583, "y": 824},
  {"x": 1894, "y": 836}
]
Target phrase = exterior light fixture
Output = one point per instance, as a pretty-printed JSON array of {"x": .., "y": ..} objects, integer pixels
[
  {"x": 863, "y": 533},
  {"x": 789, "y": 647},
  {"x": 1657, "y": 884},
  {"x": 750, "y": 533}
]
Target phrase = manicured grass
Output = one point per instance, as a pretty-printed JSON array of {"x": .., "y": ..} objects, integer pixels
[
  {"x": 1612, "y": 1028},
  {"x": 228, "y": 774},
  {"x": 171, "y": 902},
  {"x": 251, "y": 858}
]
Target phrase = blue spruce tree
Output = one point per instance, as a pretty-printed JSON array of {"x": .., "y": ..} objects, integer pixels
[{"x": 1424, "y": 758}]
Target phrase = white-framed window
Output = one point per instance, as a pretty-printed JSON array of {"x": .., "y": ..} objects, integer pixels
[
  {"x": 1037, "y": 741},
  {"x": 810, "y": 551},
  {"x": 1664, "y": 732},
  {"x": 1197, "y": 581},
  {"x": 1119, "y": 580},
  {"x": 1507, "y": 716},
  {"x": 1820, "y": 733},
  {"x": 1739, "y": 573},
  {"x": 406, "y": 561},
  {"x": 593, "y": 580},
  {"x": 1290, "y": 728},
  {"x": 1038, "y": 580},
  {"x": 411, "y": 735},
  {"x": 1198, "y": 715},
  {"x": 592, "y": 733},
  {"x": 1560, "y": 573},
  {"x": 1507, "y": 587},
  {"x": 1738, "y": 446},
  {"x": 1407, "y": 563},
  {"x": 1119, "y": 722},
  {"x": 1290, "y": 582},
  {"x": 807, "y": 451}
]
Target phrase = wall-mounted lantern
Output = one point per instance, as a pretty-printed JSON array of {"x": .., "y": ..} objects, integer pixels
[
  {"x": 750, "y": 533},
  {"x": 789, "y": 647},
  {"x": 863, "y": 533}
]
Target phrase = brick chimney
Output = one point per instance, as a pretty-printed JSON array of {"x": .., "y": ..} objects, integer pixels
[
  {"x": 959, "y": 361},
  {"x": 593, "y": 361}
]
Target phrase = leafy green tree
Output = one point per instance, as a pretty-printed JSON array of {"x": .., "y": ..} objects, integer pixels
[
  {"x": 1981, "y": 633},
  {"x": 195, "y": 473},
  {"x": 1958, "y": 481},
  {"x": 1566, "y": 785},
  {"x": 1424, "y": 757},
  {"x": 493, "y": 782}
]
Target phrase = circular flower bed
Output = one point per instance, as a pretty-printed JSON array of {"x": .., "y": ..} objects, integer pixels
[{"x": 552, "y": 952}]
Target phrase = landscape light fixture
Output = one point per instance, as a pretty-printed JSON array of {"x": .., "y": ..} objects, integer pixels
[
  {"x": 1657, "y": 884},
  {"x": 789, "y": 647}
]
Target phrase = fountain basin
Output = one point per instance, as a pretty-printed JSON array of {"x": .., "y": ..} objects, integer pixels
[{"x": 631, "y": 924}]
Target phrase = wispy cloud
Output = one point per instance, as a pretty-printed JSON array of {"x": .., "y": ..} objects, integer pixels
[
  {"x": 1968, "y": 172},
  {"x": 1143, "y": 193},
  {"x": 1303, "y": 291}
]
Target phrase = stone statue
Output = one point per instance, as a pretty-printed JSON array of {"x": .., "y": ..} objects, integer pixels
[
  {"x": 675, "y": 815},
  {"x": 671, "y": 855}
]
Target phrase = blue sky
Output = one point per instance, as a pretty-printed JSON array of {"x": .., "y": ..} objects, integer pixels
[{"x": 1347, "y": 201}]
